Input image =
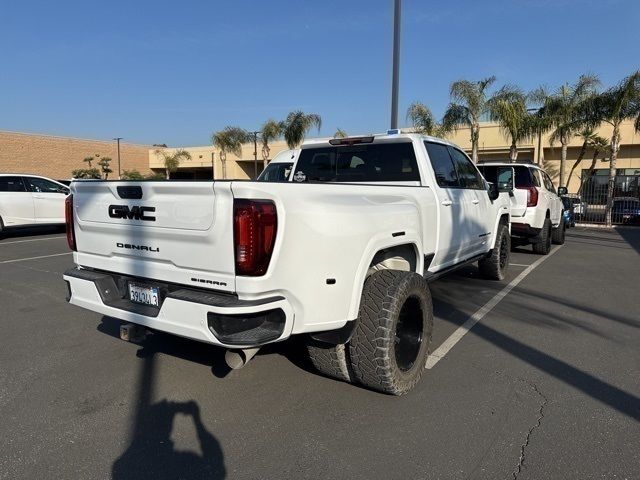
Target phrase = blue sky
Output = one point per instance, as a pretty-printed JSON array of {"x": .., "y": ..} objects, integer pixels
[{"x": 173, "y": 72}]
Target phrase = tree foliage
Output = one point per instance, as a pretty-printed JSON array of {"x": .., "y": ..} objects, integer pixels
[
  {"x": 131, "y": 175},
  {"x": 423, "y": 120},
  {"x": 508, "y": 107},
  {"x": 340, "y": 133},
  {"x": 86, "y": 173},
  {"x": 271, "y": 131},
  {"x": 172, "y": 159},
  {"x": 296, "y": 126}
]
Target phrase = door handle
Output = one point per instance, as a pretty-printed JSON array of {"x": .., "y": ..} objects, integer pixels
[
  {"x": 447, "y": 203},
  {"x": 475, "y": 201}
]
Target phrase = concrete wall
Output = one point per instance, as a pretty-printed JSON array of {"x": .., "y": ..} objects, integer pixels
[{"x": 56, "y": 157}]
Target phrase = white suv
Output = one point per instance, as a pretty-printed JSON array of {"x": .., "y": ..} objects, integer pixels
[
  {"x": 30, "y": 200},
  {"x": 536, "y": 207}
]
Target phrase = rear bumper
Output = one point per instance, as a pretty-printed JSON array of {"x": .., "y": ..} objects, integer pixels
[
  {"x": 524, "y": 230},
  {"x": 206, "y": 316}
]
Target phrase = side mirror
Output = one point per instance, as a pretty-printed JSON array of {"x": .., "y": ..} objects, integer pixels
[
  {"x": 562, "y": 191},
  {"x": 505, "y": 179},
  {"x": 492, "y": 191}
]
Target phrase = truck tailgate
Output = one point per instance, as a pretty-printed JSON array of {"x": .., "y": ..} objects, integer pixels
[{"x": 179, "y": 232}]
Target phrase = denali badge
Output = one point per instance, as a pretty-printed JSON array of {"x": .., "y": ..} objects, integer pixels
[
  {"x": 129, "y": 246},
  {"x": 132, "y": 213}
]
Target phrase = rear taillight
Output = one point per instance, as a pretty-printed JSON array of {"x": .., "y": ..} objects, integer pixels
[
  {"x": 68, "y": 218},
  {"x": 532, "y": 195},
  {"x": 254, "y": 227}
]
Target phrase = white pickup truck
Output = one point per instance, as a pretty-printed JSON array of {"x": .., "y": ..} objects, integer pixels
[{"x": 341, "y": 254}]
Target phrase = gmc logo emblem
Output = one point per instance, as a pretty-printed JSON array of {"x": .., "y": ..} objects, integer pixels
[{"x": 132, "y": 213}]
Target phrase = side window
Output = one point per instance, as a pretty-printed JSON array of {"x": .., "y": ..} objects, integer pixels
[
  {"x": 467, "y": 173},
  {"x": 548, "y": 183},
  {"x": 535, "y": 177},
  {"x": 442, "y": 164},
  {"x": 41, "y": 185},
  {"x": 11, "y": 184}
]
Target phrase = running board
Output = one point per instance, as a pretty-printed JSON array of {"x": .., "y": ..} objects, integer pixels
[{"x": 431, "y": 276}]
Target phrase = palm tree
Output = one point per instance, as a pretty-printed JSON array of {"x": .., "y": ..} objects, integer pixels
[
  {"x": 614, "y": 106},
  {"x": 423, "y": 120},
  {"x": 297, "y": 125},
  {"x": 508, "y": 107},
  {"x": 589, "y": 139},
  {"x": 88, "y": 160},
  {"x": 271, "y": 130},
  {"x": 469, "y": 103},
  {"x": 104, "y": 166},
  {"x": 172, "y": 160},
  {"x": 340, "y": 133},
  {"x": 229, "y": 140},
  {"x": 564, "y": 110},
  {"x": 600, "y": 145}
]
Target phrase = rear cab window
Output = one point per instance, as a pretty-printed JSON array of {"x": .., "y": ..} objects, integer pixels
[
  {"x": 276, "y": 172},
  {"x": 367, "y": 163}
]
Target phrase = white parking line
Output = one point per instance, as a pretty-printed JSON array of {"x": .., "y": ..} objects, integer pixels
[
  {"x": 461, "y": 331},
  {"x": 33, "y": 240},
  {"x": 35, "y": 258},
  {"x": 518, "y": 265}
]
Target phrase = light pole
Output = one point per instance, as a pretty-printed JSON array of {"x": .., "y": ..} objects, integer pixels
[
  {"x": 117, "y": 139},
  {"x": 255, "y": 154},
  {"x": 396, "y": 63}
]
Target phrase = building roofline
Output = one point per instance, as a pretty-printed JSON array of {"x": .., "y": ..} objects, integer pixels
[{"x": 63, "y": 137}]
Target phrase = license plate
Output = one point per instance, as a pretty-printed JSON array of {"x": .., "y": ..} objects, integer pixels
[{"x": 144, "y": 295}]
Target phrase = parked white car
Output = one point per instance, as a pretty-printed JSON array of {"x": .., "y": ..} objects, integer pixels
[
  {"x": 341, "y": 254},
  {"x": 279, "y": 169},
  {"x": 536, "y": 207},
  {"x": 30, "y": 200}
]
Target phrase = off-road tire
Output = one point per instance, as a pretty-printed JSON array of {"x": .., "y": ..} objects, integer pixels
[
  {"x": 558, "y": 233},
  {"x": 330, "y": 360},
  {"x": 495, "y": 265},
  {"x": 543, "y": 245},
  {"x": 374, "y": 349}
]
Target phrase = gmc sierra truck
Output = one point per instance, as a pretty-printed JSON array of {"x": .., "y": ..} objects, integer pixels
[{"x": 341, "y": 254}]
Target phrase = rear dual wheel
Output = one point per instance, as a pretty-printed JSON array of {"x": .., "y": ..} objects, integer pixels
[{"x": 389, "y": 347}]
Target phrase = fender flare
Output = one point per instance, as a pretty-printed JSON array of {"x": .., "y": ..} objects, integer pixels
[{"x": 377, "y": 243}]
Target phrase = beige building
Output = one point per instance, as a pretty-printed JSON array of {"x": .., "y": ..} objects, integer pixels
[
  {"x": 57, "y": 157},
  {"x": 495, "y": 146},
  {"x": 206, "y": 162}
]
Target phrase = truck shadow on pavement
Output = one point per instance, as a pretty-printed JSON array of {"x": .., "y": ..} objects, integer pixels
[{"x": 151, "y": 453}]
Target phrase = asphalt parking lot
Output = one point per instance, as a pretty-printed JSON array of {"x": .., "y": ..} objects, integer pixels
[{"x": 544, "y": 385}]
